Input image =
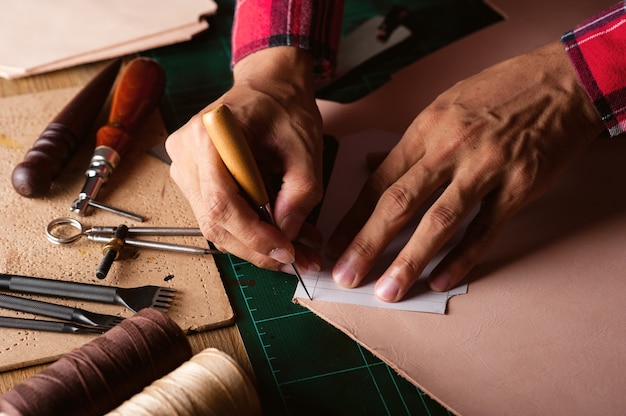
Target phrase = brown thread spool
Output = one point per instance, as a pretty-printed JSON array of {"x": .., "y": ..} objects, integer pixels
[
  {"x": 211, "y": 383},
  {"x": 57, "y": 143},
  {"x": 97, "y": 377}
]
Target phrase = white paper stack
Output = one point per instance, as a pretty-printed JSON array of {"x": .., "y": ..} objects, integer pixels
[{"x": 41, "y": 35}]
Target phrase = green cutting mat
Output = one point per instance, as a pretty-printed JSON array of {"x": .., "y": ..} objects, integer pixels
[{"x": 302, "y": 364}]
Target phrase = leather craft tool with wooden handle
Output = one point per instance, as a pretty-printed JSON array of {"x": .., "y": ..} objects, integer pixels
[
  {"x": 136, "y": 96},
  {"x": 237, "y": 156},
  {"x": 43, "y": 162}
]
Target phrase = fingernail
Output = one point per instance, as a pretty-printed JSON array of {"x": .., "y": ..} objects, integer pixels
[
  {"x": 387, "y": 289},
  {"x": 290, "y": 226},
  {"x": 441, "y": 281},
  {"x": 287, "y": 268},
  {"x": 344, "y": 274},
  {"x": 282, "y": 256}
]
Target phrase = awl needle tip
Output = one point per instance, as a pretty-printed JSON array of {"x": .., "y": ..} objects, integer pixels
[
  {"x": 238, "y": 159},
  {"x": 295, "y": 269}
]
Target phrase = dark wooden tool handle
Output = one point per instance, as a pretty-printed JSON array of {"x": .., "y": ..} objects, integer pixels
[
  {"x": 57, "y": 143},
  {"x": 136, "y": 96}
]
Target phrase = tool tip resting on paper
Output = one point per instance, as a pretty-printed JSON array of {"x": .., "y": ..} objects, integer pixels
[
  {"x": 237, "y": 156},
  {"x": 348, "y": 177}
]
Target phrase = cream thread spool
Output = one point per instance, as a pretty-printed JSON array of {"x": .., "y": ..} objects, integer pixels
[{"x": 210, "y": 383}]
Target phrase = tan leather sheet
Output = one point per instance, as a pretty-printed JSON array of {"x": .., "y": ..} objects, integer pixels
[
  {"x": 48, "y": 36},
  {"x": 542, "y": 329},
  {"x": 140, "y": 184}
]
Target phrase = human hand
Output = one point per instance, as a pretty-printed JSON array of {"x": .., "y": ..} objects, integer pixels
[
  {"x": 273, "y": 99},
  {"x": 498, "y": 139}
]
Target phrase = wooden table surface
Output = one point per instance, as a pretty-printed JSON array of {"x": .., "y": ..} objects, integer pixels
[{"x": 226, "y": 339}]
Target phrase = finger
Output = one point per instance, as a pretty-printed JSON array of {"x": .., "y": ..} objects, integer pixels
[
  {"x": 479, "y": 236},
  {"x": 301, "y": 189},
  {"x": 307, "y": 259},
  {"x": 210, "y": 225},
  {"x": 436, "y": 228},
  {"x": 397, "y": 205},
  {"x": 225, "y": 207},
  {"x": 227, "y": 242},
  {"x": 245, "y": 246},
  {"x": 308, "y": 245},
  {"x": 223, "y": 214},
  {"x": 388, "y": 172},
  {"x": 374, "y": 159},
  {"x": 297, "y": 197},
  {"x": 310, "y": 236}
]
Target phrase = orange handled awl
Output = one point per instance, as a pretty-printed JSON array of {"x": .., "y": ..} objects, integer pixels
[
  {"x": 135, "y": 97},
  {"x": 239, "y": 160}
]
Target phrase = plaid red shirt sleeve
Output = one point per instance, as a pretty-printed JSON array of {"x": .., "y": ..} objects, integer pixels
[
  {"x": 597, "y": 49},
  {"x": 314, "y": 25}
]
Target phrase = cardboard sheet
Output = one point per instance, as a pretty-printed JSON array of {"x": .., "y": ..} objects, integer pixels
[
  {"x": 45, "y": 36},
  {"x": 140, "y": 184},
  {"x": 542, "y": 329}
]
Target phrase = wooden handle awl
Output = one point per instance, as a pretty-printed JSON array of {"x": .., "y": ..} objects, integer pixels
[{"x": 235, "y": 152}]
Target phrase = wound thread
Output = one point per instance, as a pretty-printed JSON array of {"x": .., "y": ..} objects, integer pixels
[
  {"x": 211, "y": 383},
  {"x": 97, "y": 377}
]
